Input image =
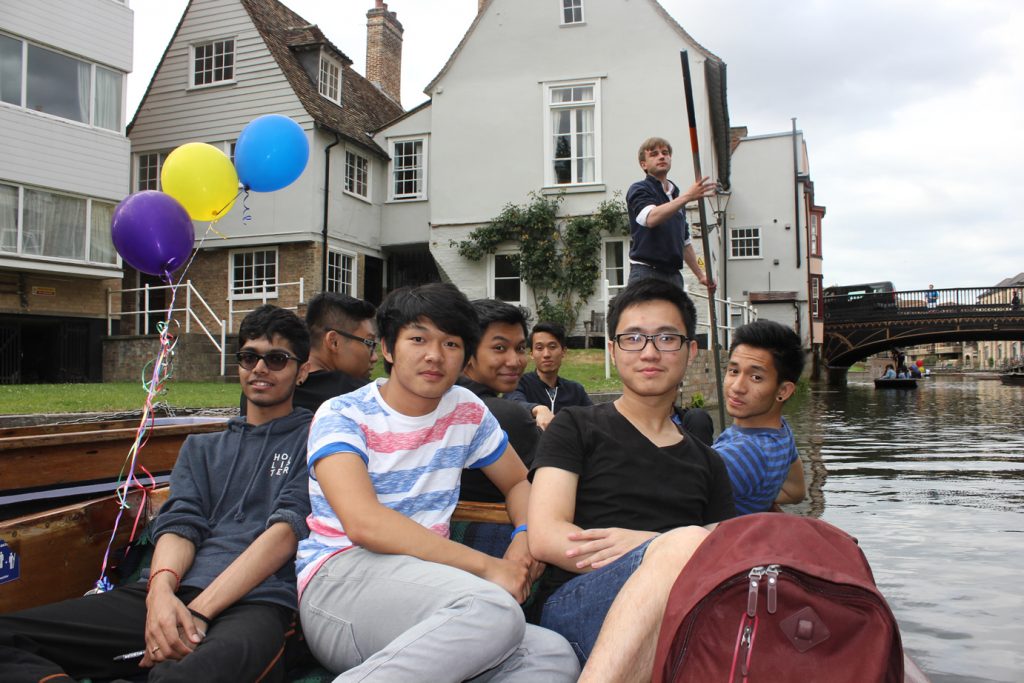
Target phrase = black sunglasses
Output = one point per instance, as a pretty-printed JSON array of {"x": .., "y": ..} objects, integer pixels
[
  {"x": 370, "y": 343},
  {"x": 275, "y": 360}
]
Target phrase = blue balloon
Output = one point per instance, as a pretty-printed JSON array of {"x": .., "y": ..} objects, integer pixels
[{"x": 271, "y": 153}]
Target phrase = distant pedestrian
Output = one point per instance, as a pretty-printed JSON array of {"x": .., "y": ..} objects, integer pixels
[
  {"x": 660, "y": 239},
  {"x": 1015, "y": 300},
  {"x": 931, "y": 296}
]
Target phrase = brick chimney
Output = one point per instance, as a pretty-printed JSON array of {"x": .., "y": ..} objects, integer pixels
[{"x": 384, "y": 50}]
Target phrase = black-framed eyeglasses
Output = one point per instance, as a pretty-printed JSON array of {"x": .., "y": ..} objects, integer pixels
[
  {"x": 370, "y": 343},
  {"x": 275, "y": 360},
  {"x": 663, "y": 341}
]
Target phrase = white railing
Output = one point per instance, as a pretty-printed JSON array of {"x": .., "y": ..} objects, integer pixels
[
  {"x": 263, "y": 298},
  {"x": 194, "y": 305},
  {"x": 746, "y": 313}
]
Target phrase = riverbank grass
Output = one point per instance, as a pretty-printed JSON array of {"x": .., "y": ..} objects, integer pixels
[{"x": 584, "y": 366}]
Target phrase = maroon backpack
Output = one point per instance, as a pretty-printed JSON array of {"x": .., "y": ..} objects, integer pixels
[{"x": 771, "y": 598}]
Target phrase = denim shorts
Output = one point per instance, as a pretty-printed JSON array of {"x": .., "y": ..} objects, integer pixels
[{"x": 577, "y": 609}]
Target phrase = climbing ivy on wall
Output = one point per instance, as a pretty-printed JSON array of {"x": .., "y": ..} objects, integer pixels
[{"x": 559, "y": 256}]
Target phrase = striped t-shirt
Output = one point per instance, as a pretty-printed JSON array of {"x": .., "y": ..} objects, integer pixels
[
  {"x": 415, "y": 463},
  {"x": 758, "y": 460}
]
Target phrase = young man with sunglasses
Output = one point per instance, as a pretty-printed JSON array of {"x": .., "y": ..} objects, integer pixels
[
  {"x": 622, "y": 493},
  {"x": 220, "y": 597},
  {"x": 343, "y": 349},
  {"x": 385, "y": 595}
]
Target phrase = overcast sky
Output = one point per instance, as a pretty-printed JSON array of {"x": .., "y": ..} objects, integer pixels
[{"x": 913, "y": 112}]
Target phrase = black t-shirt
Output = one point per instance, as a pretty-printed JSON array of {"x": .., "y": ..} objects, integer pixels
[
  {"x": 516, "y": 421},
  {"x": 320, "y": 385},
  {"x": 626, "y": 481}
]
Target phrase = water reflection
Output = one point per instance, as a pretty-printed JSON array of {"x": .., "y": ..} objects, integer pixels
[{"x": 929, "y": 481}]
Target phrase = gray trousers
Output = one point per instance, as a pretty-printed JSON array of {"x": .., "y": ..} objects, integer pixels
[{"x": 396, "y": 618}]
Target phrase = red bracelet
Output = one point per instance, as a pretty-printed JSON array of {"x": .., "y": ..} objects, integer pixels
[{"x": 177, "y": 579}]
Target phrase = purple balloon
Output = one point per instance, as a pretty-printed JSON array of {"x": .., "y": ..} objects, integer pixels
[{"x": 152, "y": 232}]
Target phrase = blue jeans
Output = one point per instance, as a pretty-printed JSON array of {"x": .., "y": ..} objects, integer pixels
[
  {"x": 639, "y": 271},
  {"x": 578, "y": 608}
]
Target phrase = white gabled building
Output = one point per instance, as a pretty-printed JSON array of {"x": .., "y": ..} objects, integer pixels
[
  {"x": 63, "y": 168},
  {"x": 547, "y": 97},
  {"x": 230, "y": 61},
  {"x": 773, "y": 233}
]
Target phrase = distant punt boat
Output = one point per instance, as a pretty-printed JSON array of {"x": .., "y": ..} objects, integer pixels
[
  {"x": 906, "y": 383},
  {"x": 1012, "y": 378}
]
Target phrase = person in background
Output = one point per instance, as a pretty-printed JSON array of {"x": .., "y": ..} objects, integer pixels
[
  {"x": 765, "y": 362},
  {"x": 343, "y": 350},
  {"x": 660, "y": 240},
  {"x": 543, "y": 386}
]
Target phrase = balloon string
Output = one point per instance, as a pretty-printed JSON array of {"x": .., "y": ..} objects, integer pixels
[
  {"x": 246, "y": 211},
  {"x": 127, "y": 479},
  {"x": 231, "y": 201}
]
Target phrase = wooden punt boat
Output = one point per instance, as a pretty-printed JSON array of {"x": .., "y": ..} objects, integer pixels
[
  {"x": 52, "y": 461},
  {"x": 59, "y": 551},
  {"x": 1013, "y": 379},
  {"x": 905, "y": 383}
]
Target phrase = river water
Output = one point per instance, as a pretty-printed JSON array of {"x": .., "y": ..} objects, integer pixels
[{"x": 931, "y": 482}]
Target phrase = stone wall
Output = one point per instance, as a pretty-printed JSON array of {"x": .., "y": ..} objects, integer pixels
[{"x": 126, "y": 357}]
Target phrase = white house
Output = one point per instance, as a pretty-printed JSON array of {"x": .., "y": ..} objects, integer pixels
[
  {"x": 230, "y": 61},
  {"x": 63, "y": 168},
  {"x": 548, "y": 97},
  {"x": 772, "y": 233}
]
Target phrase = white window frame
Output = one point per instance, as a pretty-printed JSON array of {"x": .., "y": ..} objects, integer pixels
[
  {"x": 93, "y": 68},
  {"x": 549, "y": 145},
  {"x": 19, "y": 220},
  {"x": 328, "y": 90},
  {"x": 337, "y": 283},
  {"x": 491, "y": 275},
  {"x": 571, "y": 6},
  {"x": 814, "y": 235},
  {"x": 735, "y": 237},
  {"x": 192, "y": 85},
  {"x": 392, "y": 170},
  {"x": 270, "y": 293},
  {"x": 351, "y": 181},
  {"x": 624, "y": 245},
  {"x": 815, "y": 297}
]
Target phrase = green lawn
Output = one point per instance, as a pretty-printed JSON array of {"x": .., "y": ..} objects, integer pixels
[{"x": 584, "y": 366}]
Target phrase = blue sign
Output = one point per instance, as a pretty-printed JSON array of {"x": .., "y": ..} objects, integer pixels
[{"x": 10, "y": 563}]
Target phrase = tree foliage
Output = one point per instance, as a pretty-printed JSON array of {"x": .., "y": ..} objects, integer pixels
[{"x": 559, "y": 256}]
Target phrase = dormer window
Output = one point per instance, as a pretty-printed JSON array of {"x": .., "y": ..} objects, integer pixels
[
  {"x": 330, "y": 78},
  {"x": 572, "y": 11}
]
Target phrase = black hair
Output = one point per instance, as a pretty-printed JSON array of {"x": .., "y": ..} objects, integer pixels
[
  {"x": 336, "y": 311},
  {"x": 554, "y": 329},
  {"x": 781, "y": 341},
  {"x": 652, "y": 289},
  {"x": 441, "y": 303},
  {"x": 269, "y": 321},
  {"x": 490, "y": 311}
]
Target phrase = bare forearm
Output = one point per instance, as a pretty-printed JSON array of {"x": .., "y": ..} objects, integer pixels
[
  {"x": 549, "y": 543},
  {"x": 172, "y": 553},
  {"x": 662, "y": 212},
  {"x": 267, "y": 554},
  {"x": 690, "y": 258},
  {"x": 517, "y": 501},
  {"x": 388, "y": 532}
]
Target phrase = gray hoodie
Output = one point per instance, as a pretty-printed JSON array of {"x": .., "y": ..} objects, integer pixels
[{"x": 228, "y": 488}]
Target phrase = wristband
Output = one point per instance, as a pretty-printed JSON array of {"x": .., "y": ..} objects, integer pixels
[
  {"x": 521, "y": 527},
  {"x": 177, "y": 579},
  {"x": 205, "y": 619}
]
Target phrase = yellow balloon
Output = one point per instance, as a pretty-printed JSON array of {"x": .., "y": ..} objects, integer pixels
[{"x": 202, "y": 178}]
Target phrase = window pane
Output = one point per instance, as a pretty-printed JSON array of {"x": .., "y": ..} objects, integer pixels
[
  {"x": 54, "y": 225},
  {"x": 506, "y": 266},
  {"x": 10, "y": 70},
  {"x": 8, "y": 218},
  {"x": 254, "y": 272},
  {"x": 107, "y": 112},
  {"x": 213, "y": 62},
  {"x": 101, "y": 248},
  {"x": 329, "y": 77},
  {"x": 149, "y": 172},
  {"x": 356, "y": 174},
  {"x": 57, "y": 84},
  {"x": 614, "y": 271},
  {"x": 408, "y": 169}
]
